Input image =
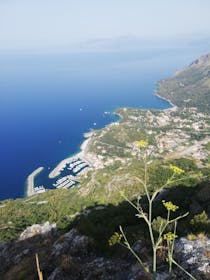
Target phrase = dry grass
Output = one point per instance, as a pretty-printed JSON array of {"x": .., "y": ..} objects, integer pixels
[
  {"x": 202, "y": 236},
  {"x": 191, "y": 237}
]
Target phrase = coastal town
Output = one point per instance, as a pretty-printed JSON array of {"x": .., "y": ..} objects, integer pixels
[{"x": 171, "y": 133}]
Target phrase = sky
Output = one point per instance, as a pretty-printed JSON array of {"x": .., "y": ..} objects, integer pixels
[{"x": 57, "y": 24}]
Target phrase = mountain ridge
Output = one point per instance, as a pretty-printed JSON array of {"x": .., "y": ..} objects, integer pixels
[{"x": 190, "y": 86}]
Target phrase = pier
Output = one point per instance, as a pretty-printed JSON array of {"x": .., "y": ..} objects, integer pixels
[{"x": 30, "y": 181}]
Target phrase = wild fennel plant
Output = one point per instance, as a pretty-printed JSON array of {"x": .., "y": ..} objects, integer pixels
[{"x": 147, "y": 216}]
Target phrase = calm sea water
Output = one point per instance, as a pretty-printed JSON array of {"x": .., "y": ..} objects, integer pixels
[{"x": 47, "y": 102}]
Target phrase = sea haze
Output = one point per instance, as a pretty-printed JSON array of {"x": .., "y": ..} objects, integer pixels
[{"x": 47, "y": 102}]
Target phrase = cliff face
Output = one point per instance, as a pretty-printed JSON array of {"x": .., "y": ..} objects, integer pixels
[{"x": 189, "y": 87}]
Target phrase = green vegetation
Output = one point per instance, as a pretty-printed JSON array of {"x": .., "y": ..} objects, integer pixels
[
  {"x": 200, "y": 223},
  {"x": 158, "y": 227},
  {"x": 54, "y": 206},
  {"x": 97, "y": 188},
  {"x": 208, "y": 146},
  {"x": 189, "y": 87}
]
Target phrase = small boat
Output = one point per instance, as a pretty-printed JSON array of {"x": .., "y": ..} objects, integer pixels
[{"x": 39, "y": 189}]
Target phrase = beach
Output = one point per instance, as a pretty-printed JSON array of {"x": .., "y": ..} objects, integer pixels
[
  {"x": 30, "y": 181},
  {"x": 82, "y": 154}
]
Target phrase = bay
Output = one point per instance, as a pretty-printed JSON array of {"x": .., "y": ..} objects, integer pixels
[{"x": 47, "y": 102}]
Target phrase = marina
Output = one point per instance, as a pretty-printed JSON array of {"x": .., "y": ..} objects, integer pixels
[
  {"x": 74, "y": 167},
  {"x": 77, "y": 165},
  {"x": 66, "y": 177},
  {"x": 65, "y": 182},
  {"x": 39, "y": 189}
]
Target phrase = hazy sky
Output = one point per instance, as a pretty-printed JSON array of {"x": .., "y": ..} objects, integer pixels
[{"x": 40, "y": 24}]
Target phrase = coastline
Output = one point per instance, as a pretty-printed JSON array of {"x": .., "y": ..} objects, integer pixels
[
  {"x": 173, "y": 106},
  {"x": 82, "y": 154},
  {"x": 91, "y": 159},
  {"x": 30, "y": 181}
]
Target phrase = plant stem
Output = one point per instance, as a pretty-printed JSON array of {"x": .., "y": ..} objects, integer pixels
[
  {"x": 38, "y": 268},
  {"x": 179, "y": 266},
  {"x": 172, "y": 249},
  {"x": 132, "y": 251},
  {"x": 154, "y": 260}
]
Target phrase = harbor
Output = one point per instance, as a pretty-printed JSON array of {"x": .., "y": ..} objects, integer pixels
[
  {"x": 75, "y": 167},
  {"x": 65, "y": 174},
  {"x": 71, "y": 160}
]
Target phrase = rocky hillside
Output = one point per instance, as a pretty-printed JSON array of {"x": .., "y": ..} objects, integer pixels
[
  {"x": 73, "y": 256},
  {"x": 189, "y": 87},
  {"x": 81, "y": 251}
]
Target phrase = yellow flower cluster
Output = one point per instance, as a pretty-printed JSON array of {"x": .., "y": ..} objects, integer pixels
[
  {"x": 169, "y": 236},
  {"x": 176, "y": 169},
  {"x": 141, "y": 143},
  {"x": 115, "y": 239},
  {"x": 122, "y": 193},
  {"x": 170, "y": 206}
]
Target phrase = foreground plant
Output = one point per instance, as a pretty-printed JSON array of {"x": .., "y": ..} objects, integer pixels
[
  {"x": 40, "y": 275},
  {"x": 162, "y": 226}
]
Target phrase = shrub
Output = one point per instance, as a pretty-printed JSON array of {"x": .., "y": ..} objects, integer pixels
[{"x": 200, "y": 223}]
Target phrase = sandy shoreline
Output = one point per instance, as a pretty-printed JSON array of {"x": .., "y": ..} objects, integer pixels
[
  {"x": 57, "y": 170},
  {"x": 30, "y": 181}
]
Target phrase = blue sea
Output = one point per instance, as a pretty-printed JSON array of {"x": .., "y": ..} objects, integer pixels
[{"x": 47, "y": 102}]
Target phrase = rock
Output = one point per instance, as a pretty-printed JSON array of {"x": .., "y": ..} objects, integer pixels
[
  {"x": 137, "y": 246},
  {"x": 104, "y": 269},
  {"x": 193, "y": 256},
  {"x": 72, "y": 243},
  {"x": 73, "y": 256},
  {"x": 162, "y": 276},
  {"x": 58, "y": 274},
  {"x": 36, "y": 230}
]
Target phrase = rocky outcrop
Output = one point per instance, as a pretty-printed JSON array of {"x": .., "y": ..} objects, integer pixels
[
  {"x": 36, "y": 230},
  {"x": 73, "y": 256},
  {"x": 73, "y": 243}
]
